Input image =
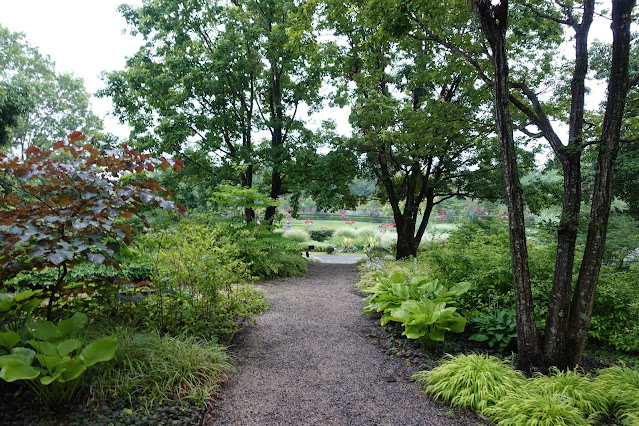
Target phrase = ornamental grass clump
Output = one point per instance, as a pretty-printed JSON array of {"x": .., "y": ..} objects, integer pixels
[
  {"x": 473, "y": 381},
  {"x": 527, "y": 408},
  {"x": 297, "y": 235},
  {"x": 160, "y": 367},
  {"x": 621, "y": 384},
  {"x": 573, "y": 386}
]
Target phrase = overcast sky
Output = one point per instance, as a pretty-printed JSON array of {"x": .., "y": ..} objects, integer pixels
[{"x": 81, "y": 36}]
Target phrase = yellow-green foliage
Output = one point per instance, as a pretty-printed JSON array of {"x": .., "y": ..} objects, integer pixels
[
  {"x": 526, "y": 408},
  {"x": 576, "y": 387},
  {"x": 622, "y": 386},
  {"x": 471, "y": 381},
  {"x": 160, "y": 367}
]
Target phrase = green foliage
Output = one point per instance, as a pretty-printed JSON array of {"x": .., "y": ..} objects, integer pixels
[
  {"x": 320, "y": 235},
  {"x": 298, "y": 235},
  {"x": 471, "y": 381},
  {"x": 574, "y": 386},
  {"x": 50, "y": 104},
  {"x": 159, "y": 367},
  {"x": 621, "y": 384},
  {"x": 497, "y": 328},
  {"x": 55, "y": 349},
  {"x": 62, "y": 209},
  {"x": 199, "y": 282},
  {"x": 342, "y": 233},
  {"x": 528, "y": 409},
  {"x": 418, "y": 304},
  {"x": 615, "y": 318}
]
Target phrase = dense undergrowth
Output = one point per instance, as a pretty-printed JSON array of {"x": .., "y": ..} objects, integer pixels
[
  {"x": 477, "y": 254},
  {"x": 181, "y": 292}
]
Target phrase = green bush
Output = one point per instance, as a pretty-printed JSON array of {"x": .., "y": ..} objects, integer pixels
[
  {"x": 159, "y": 367},
  {"x": 615, "y": 317},
  {"x": 471, "y": 381},
  {"x": 497, "y": 328},
  {"x": 321, "y": 235},
  {"x": 298, "y": 235}
]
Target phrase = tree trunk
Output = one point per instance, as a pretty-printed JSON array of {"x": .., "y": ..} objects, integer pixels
[
  {"x": 494, "y": 22},
  {"x": 584, "y": 295},
  {"x": 555, "y": 352},
  {"x": 406, "y": 244}
]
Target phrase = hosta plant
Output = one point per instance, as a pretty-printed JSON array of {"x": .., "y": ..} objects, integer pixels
[
  {"x": 421, "y": 305},
  {"x": 472, "y": 381},
  {"x": 50, "y": 357},
  {"x": 498, "y": 328}
]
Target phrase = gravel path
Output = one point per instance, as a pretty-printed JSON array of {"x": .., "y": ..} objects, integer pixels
[{"x": 312, "y": 359}]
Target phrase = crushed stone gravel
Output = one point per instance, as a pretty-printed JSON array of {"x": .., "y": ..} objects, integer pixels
[{"x": 312, "y": 359}]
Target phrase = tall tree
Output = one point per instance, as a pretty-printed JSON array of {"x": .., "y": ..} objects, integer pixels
[
  {"x": 212, "y": 74},
  {"x": 59, "y": 102},
  {"x": 412, "y": 109},
  {"x": 520, "y": 52}
]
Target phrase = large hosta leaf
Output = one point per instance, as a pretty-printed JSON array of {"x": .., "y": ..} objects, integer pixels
[
  {"x": 11, "y": 373},
  {"x": 45, "y": 330},
  {"x": 99, "y": 351},
  {"x": 72, "y": 326},
  {"x": 9, "y": 339}
]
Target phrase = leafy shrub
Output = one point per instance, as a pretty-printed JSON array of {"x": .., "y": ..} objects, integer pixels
[
  {"x": 366, "y": 233},
  {"x": 387, "y": 241},
  {"x": 615, "y": 319},
  {"x": 497, "y": 328},
  {"x": 159, "y": 367},
  {"x": 418, "y": 304},
  {"x": 55, "y": 349},
  {"x": 321, "y": 235},
  {"x": 529, "y": 408},
  {"x": 577, "y": 387},
  {"x": 71, "y": 211},
  {"x": 471, "y": 381},
  {"x": 298, "y": 235}
]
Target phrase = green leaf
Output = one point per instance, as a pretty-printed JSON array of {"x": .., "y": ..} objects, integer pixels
[
  {"x": 99, "y": 351},
  {"x": 70, "y": 327},
  {"x": 72, "y": 369},
  {"x": 9, "y": 339},
  {"x": 6, "y": 302},
  {"x": 66, "y": 347},
  {"x": 45, "y": 330},
  {"x": 436, "y": 334},
  {"x": 25, "y": 354},
  {"x": 50, "y": 362},
  {"x": 477, "y": 337},
  {"x": 11, "y": 373},
  {"x": 44, "y": 348},
  {"x": 460, "y": 288},
  {"x": 24, "y": 295},
  {"x": 397, "y": 278},
  {"x": 47, "y": 380}
]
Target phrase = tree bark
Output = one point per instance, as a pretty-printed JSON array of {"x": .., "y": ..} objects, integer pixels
[
  {"x": 494, "y": 22},
  {"x": 555, "y": 352},
  {"x": 583, "y": 298}
]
